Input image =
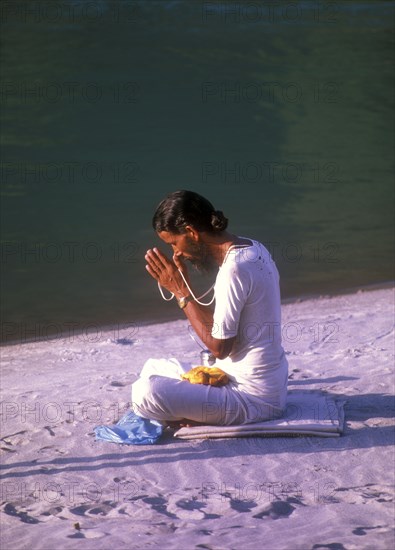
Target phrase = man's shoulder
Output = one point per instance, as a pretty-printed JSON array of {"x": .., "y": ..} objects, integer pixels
[
  {"x": 248, "y": 262},
  {"x": 246, "y": 254}
]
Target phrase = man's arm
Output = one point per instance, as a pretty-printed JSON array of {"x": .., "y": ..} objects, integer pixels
[
  {"x": 166, "y": 273},
  {"x": 201, "y": 319}
]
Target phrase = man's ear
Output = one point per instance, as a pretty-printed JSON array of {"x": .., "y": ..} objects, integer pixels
[{"x": 192, "y": 233}]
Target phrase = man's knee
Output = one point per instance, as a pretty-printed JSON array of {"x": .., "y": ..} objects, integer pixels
[{"x": 143, "y": 395}]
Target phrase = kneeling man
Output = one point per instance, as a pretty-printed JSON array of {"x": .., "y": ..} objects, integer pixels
[{"x": 242, "y": 330}]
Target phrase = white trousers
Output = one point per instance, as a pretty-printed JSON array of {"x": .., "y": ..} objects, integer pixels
[{"x": 160, "y": 394}]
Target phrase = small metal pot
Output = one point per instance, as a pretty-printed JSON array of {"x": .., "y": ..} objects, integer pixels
[{"x": 207, "y": 358}]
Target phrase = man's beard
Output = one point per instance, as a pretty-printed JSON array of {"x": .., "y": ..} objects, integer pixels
[{"x": 202, "y": 260}]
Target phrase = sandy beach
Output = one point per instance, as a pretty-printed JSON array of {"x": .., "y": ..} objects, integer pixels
[{"x": 62, "y": 489}]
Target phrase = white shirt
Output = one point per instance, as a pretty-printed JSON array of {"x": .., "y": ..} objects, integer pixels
[{"x": 247, "y": 305}]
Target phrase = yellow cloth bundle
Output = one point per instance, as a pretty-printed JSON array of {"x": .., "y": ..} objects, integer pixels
[{"x": 212, "y": 376}]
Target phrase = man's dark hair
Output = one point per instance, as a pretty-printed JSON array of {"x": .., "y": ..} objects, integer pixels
[{"x": 183, "y": 208}]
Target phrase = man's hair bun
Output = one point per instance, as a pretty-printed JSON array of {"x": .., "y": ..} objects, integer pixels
[{"x": 218, "y": 221}]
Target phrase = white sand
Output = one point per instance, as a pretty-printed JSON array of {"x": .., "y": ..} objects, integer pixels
[{"x": 272, "y": 493}]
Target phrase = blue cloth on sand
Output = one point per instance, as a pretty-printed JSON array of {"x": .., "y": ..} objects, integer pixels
[{"x": 131, "y": 429}]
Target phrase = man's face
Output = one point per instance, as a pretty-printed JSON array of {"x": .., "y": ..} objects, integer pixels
[{"x": 186, "y": 248}]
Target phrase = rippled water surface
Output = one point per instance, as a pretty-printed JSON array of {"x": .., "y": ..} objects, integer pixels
[{"x": 281, "y": 114}]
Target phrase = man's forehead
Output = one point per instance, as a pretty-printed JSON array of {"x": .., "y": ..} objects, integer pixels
[{"x": 167, "y": 236}]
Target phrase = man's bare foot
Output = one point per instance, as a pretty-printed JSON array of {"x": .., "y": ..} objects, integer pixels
[{"x": 184, "y": 423}]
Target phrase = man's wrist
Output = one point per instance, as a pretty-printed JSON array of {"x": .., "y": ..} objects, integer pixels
[{"x": 184, "y": 300}]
